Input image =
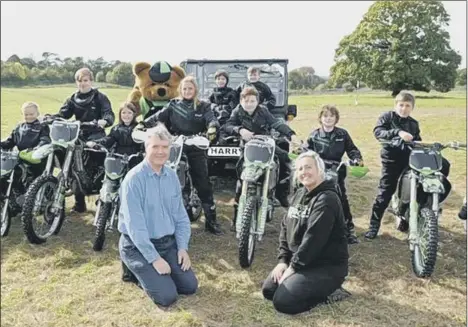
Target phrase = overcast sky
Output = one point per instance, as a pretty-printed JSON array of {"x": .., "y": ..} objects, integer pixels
[{"x": 307, "y": 33}]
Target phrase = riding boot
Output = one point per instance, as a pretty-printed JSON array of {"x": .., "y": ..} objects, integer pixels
[
  {"x": 211, "y": 225},
  {"x": 80, "y": 204},
  {"x": 351, "y": 233},
  {"x": 234, "y": 218},
  {"x": 374, "y": 227}
]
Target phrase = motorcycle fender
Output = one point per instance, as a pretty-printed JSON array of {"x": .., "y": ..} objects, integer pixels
[
  {"x": 251, "y": 174},
  {"x": 432, "y": 184},
  {"x": 43, "y": 152},
  {"x": 109, "y": 191}
]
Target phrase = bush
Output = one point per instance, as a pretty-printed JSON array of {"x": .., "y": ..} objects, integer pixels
[
  {"x": 100, "y": 77},
  {"x": 348, "y": 87}
]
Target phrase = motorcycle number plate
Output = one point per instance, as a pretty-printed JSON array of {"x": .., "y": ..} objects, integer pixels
[{"x": 219, "y": 151}]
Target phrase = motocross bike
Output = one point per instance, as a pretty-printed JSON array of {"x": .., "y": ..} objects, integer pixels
[
  {"x": 16, "y": 176},
  {"x": 178, "y": 162},
  {"x": 416, "y": 202},
  {"x": 47, "y": 193},
  {"x": 107, "y": 211},
  {"x": 260, "y": 174}
]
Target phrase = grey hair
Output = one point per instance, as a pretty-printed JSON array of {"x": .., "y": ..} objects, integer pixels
[
  {"x": 161, "y": 132},
  {"x": 318, "y": 163}
]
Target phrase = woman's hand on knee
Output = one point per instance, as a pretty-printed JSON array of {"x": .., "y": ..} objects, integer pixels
[
  {"x": 278, "y": 272},
  {"x": 286, "y": 274},
  {"x": 162, "y": 267}
]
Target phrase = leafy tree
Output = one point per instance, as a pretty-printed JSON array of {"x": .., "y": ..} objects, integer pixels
[
  {"x": 100, "y": 77},
  {"x": 399, "y": 45},
  {"x": 121, "y": 75},
  {"x": 461, "y": 77}
]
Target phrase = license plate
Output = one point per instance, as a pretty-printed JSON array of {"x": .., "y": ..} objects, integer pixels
[{"x": 220, "y": 151}]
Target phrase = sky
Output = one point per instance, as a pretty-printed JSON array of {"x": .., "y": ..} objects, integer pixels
[{"x": 306, "y": 33}]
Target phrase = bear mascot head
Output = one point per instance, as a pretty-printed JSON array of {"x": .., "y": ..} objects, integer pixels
[{"x": 154, "y": 86}]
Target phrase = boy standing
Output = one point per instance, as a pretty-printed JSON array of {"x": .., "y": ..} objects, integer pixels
[
  {"x": 88, "y": 104},
  {"x": 331, "y": 143},
  {"x": 390, "y": 125}
]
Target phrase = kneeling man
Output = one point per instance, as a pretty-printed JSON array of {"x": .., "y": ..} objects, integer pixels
[{"x": 155, "y": 226}]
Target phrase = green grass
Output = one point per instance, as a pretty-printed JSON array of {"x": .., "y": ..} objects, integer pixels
[{"x": 64, "y": 283}]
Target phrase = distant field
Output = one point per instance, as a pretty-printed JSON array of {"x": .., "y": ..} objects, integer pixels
[{"x": 64, "y": 283}]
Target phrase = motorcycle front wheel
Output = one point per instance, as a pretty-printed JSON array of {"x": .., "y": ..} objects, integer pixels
[
  {"x": 38, "y": 219},
  {"x": 248, "y": 238},
  {"x": 424, "y": 254}
]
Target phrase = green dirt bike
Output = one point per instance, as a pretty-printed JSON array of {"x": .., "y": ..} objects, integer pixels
[
  {"x": 416, "y": 202},
  {"x": 107, "y": 211},
  {"x": 16, "y": 177},
  {"x": 47, "y": 193},
  {"x": 260, "y": 174}
]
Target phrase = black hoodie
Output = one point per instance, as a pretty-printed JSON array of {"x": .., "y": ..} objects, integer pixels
[
  {"x": 265, "y": 96},
  {"x": 223, "y": 101},
  {"x": 313, "y": 231},
  {"x": 27, "y": 135},
  {"x": 260, "y": 122},
  {"x": 183, "y": 117},
  {"x": 120, "y": 137},
  {"x": 387, "y": 128}
]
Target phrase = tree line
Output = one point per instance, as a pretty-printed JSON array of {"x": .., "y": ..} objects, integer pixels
[{"x": 52, "y": 69}]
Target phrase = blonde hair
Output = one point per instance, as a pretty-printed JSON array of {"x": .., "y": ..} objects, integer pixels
[
  {"x": 30, "y": 104},
  {"x": 189, "y": 79},
  {"x": 318, "y": 163},
  {"x": 83, "y": 72}
]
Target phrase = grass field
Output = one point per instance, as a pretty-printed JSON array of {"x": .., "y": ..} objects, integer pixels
[{"x": 64, "y": 283}]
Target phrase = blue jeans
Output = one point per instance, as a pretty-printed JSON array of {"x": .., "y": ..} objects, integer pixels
[{"x": 162, "y": 289}]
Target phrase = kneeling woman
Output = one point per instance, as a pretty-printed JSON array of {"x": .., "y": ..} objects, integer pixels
[{"x": 313, "y": 250}]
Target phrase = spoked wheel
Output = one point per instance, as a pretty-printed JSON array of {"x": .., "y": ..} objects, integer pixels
[
  {"x": 424, "y": 254},
  {"x": 39, "y": 219},
  {"x": 6, "y": 217},
  {"x": 248, "y": 238},
  {"x": 105, "y": 210}
]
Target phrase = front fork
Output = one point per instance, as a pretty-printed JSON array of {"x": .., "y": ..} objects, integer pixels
[
  {"x": 7, "y": 194},
  {"x": 414, "y": 211},
  {"x": 107, "y": 191},
  {"x": 261, "y": 214},
  {"x": 62, "y": 185},
  {"x": 49, "y": 171}
]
